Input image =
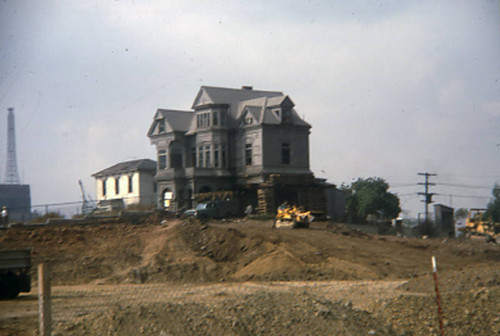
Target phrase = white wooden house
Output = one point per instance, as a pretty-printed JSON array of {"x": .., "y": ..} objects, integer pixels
[{"x": 131, "y": 181}]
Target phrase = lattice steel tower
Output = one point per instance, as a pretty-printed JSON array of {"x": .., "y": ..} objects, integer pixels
[{"x": 11, "y": 175}]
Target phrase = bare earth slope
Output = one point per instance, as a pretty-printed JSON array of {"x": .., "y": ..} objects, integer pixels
[{"x": 386, "y": 287}]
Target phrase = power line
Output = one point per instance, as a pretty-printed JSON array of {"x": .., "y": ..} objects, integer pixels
[
  {"x": 466, "y": 196},
  {"x": 463, "y": 185}
]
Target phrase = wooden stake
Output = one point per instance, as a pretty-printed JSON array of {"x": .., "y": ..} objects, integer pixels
[
  {"x": 438, "y": 298},
  {"x": 44, "y": 308}
]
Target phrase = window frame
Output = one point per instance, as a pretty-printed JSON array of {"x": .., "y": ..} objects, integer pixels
[
  {"x": 162, "y": 159},
  {"x": 130, "y": 184},
  {"x": 285, "y": 153},
  {"x": 248, "y": 154},
  {"x": 117, "y": 185}
]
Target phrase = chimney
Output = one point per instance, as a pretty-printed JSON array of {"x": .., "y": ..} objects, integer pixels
[{"x": 246, "y": 87}]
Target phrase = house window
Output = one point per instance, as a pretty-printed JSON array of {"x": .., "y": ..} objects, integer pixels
[
  {"x": 285, "y": 153},
  {"x": 167, "y": 198},
  {"x": 162, "y": 159},
  {"x": 248, "y": 154},
  {"x": 130, "y": 184},
  {"x": 203, "y": 120},
  {"x": 117, "y": 185},
  {"x": 200, "y": 157},
  {"x": 207, "y": 156},
  {"x": 278, "y": 113},
  {"x": 248, "y": 120},
  {"x": 215, "y": 118},
  {"x": 216, "y": 156},
  {"x": 223, "y": 156},
  {"x": 222, "y": 118},
  {"x": 104, "y": 187},
  {"x": 193, "y": 156},
  {"x": 161, "y": 125}
]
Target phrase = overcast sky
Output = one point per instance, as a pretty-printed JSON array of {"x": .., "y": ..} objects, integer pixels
[{"x": 391, "y": 88}]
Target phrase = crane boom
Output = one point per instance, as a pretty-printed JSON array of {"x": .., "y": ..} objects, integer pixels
[{"x": 87, "y": 204}]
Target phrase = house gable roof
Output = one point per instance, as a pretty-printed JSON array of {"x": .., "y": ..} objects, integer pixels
[
  {"x": 128, "y": 167},
  {"x": 219, "y": 95},
  {"x": 175, "y": 120},
  {"x": 262, "y": 105}
]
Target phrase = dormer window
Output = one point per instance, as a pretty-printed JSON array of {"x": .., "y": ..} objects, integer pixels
[
  {"x": 161, "y": 125},
  {"x": 248, "y": 120},
  {"x": 278, "y": 113},
  {"x": 286, "y": 116}
]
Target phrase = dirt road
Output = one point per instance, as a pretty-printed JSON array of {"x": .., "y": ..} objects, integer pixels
[{"x": 77, "y": 308}]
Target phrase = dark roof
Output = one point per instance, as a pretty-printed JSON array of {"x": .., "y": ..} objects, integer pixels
[
  {"x": 128, "y": 167},
  {"x": 219, "y": 95},
  {"x": 176, "y": 120}
]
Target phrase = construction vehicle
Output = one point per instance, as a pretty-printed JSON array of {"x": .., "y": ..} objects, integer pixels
[
  {"x": 15, "y": 276},
  {"x": 478, "y": 226},
  {"x": 290, "y": 216}
]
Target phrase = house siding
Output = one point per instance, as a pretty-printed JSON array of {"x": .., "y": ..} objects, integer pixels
[{"x": 143, "y": 181}]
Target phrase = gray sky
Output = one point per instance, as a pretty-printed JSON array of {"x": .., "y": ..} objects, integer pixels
[{"x": 391, "y": 88}]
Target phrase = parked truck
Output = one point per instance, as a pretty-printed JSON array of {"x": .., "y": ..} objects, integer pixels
[
  {"x": 214, "y": 209},
  {"x": 15, "y": 266}
]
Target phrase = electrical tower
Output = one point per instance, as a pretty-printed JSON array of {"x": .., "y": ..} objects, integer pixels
[
  {"x": 11, "y": 174},
  {"x": 427, "y": 195}
]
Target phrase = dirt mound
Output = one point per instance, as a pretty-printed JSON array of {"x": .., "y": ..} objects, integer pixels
[
  {"x": 473, "y": 312},
  {"x": 190, "y": 251}
]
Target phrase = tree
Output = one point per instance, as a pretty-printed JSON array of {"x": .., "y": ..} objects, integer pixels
[
  {"x": 461, "y": 213},
  {"x": 494, "y": 205},
  {"x": 370, "y": 197}
]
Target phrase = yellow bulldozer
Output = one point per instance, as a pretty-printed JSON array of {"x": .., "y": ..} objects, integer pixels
[
  {"x": 290, "y": 216},
  {"x": 478, "y": 226}
]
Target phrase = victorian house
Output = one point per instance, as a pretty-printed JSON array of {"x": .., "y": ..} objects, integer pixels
[{"x": 246, "y": 144}]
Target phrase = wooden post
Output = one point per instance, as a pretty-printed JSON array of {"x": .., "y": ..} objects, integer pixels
[
  {"x": 44, "y": 309},
  {"x": 438, "y": 298}
]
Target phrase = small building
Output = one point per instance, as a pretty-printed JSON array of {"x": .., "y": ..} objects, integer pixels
[
  {"x": 131, "y": 181},
  {"x": 444, "y": 224},
  {"x": 17, "y": 199}
]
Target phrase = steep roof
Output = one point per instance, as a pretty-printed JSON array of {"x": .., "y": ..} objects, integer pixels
[
  {"x": 176, "y": 120},
  {"x": 128, "y": 167},
  {"x": 219, "y": 95}
]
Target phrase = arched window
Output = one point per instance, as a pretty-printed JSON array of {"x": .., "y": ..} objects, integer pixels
[{"x": 168, "y": 196}]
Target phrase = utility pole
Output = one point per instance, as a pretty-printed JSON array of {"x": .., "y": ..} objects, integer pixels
[{"x": 427, "y": 195}]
